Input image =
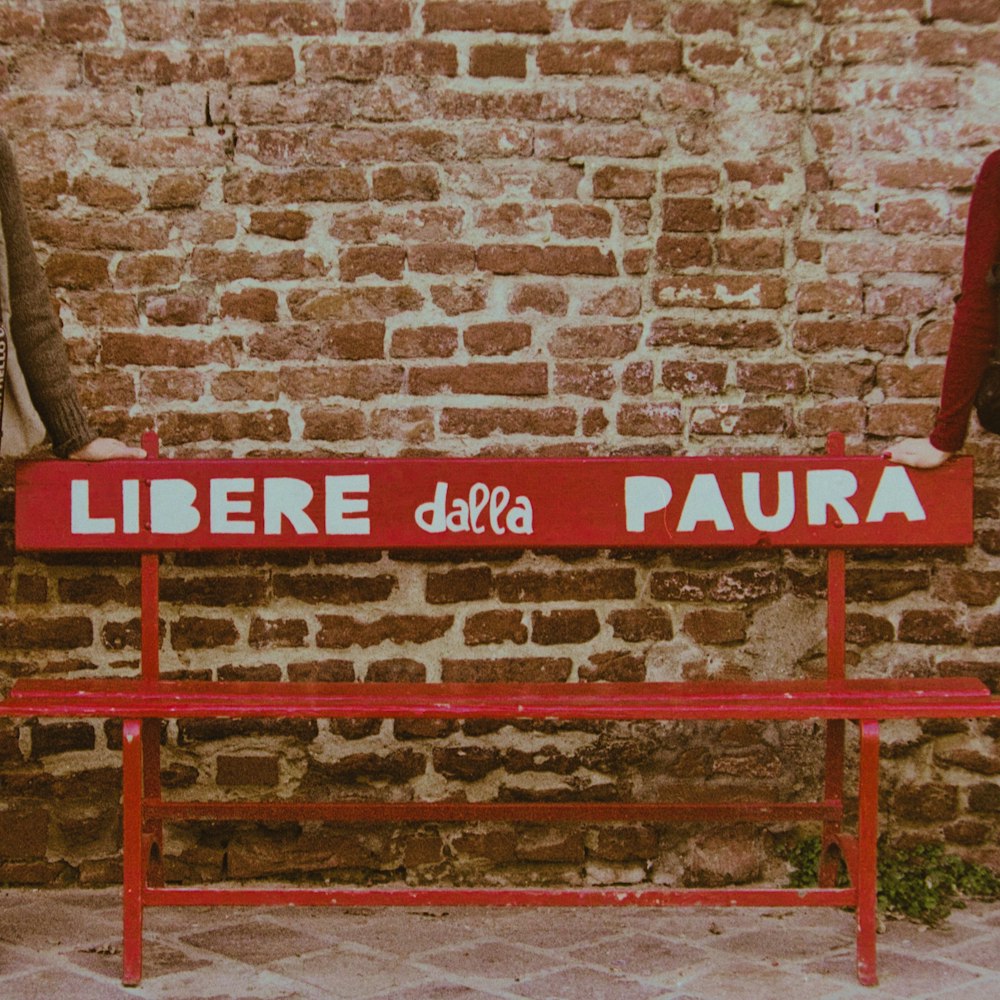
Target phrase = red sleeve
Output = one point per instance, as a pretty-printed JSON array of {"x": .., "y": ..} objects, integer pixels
[{"x": 974, "y": 331}]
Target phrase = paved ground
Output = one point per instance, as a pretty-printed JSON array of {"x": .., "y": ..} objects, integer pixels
[{"x": 66, "y": 945}]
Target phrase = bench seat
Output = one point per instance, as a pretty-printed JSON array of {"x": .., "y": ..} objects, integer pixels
[{"x": 876, "y": 698}]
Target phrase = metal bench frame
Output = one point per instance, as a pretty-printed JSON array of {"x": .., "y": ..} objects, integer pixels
[{"x": 141, "y": 703}]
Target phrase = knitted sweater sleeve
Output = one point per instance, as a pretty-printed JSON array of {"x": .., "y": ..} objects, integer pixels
[
  {"x": 34, "y": 328},
  {"x": 974, "y": 330}
]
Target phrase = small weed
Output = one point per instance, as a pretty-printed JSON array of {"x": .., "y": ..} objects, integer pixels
[{"x": 922, "y": 883}]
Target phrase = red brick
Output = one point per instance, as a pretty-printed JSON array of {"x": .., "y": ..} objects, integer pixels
[
  {"x": 473, "y": 423},
  {"x": 156, "y": 350},
  {"x": 355, "y": 63},
  {"x": 832, "y": 296},
  {"x": 675, "y": 253},
  {"x": 260, "y": 304},
  {"x": 481, "y": 378},
  {"x": 521, "y": 16},
  {"x": 697, "y": 18},
  {"x": 222, "y": 266},
  {"x": 377, "y": 15},
  {"x": 31, "y": 632},
  {"x": 564, "y": 626},
  {"x": 473, "y": 583},
  {"x": 76, "y": 270},
  {"x": 545, "y": 260},
  {"x": 926, "y": 803},
  {"x": 749, "y": 253},
  {"x": 611, "y": 58},
  {"x": 252, "y": 17},
  {"x": 328, "y": 184},
  {"x": 406, "y": 184},
  {"x": 176, "y": 310},
  {"x": 19, "y": 25},
  {"x": 695, "y": 180},
  {"x": 923, "y": 174},
  {"x": 600, "y": 15},
  {"x": 185, "y": 428},
  {"x": 348, "y": 341},
  {"x": 246, "y": 770},
  {"x": 353, "y": 381},
  {"x": 594, "y": 381},
  {"x": 421, "y": 58},
  {"x": 694, "y": 379},
  {"x": 441, "y": 258},
  {"x": 740, "y": 420},
  {"x": 511, "y": 670},
  {"x": 101, "y": 193},
  {"x": 649, "y": 419},
  {"x": 287, "y": 225},
  {"x": 873, "y": 335},
  {"x": 260, "y": 64},
  {"x": 638, "y": 378},
  {"x": 641, "y": 624},
  {"x": 333, "y": 423},
  {"x": 342, "y": 631},
  {"x": 148, "y": 270},
  {"x": 385, "y": 262},
  {"x": 723, "y": 291},
  {"x": 716, "y": 627},
  {"x": 618, "y": 141},
  {"x": 610, "y": 341},
  {"x": 268, "y": 633},
  {"x": 967, "y": 11},
  {"x": 498, "y": 60},
  {"x": 623, "y": 182},
  {"x": 573, "y": 221},
  {"x": 764, "y": 377},
  {"x": 454, "y": 300},
  {"x": 352, "y": 305},
  {"x": 490, "y": 627},
  {"x": 621, "y": 301},
  {"x": 691, "y": 215},
  {"x": 492, "y": 339},
  {"x": 549, "y": 300},
  {"x": 71, "y": 23},
  {"x": 424, "y": 342}
]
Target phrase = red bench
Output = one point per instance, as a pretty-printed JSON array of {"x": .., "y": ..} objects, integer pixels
[{"x": 828, "y": 502}]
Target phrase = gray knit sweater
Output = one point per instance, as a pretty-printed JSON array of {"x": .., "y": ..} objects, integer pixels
[{"x": 33, "y": 325}]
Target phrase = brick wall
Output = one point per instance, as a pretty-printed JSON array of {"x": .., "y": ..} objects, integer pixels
[{"x": 511, "y": 228}]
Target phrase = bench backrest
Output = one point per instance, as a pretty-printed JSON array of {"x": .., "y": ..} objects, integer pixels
[{"x": 155, "y": 505}]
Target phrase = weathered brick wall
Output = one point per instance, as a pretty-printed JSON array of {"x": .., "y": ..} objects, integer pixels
[{"x": 518, "y": 228}]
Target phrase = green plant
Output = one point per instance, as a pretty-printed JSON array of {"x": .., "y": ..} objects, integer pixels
[{"x": 922, "y": 883}]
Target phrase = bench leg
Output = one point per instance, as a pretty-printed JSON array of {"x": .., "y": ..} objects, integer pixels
[
  {"x": 152, "y": 828},
  {"x": 830, "y": 852},
  {"x": 867, "y": 867},
  {"x": 132, "y": 852}
]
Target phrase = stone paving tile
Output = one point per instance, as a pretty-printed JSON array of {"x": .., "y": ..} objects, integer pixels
[
  {"x": 984, "y": 954},
  {"x": 760, "y": 981},
  {"x": 348, "y": 973},
  {"x": 977, "y": 990},
  {"x": 157, "y": 960},
  {"x": 785, "y": 944},
  {"x": 901, "y": 974},
  {"x": 641, "y": 954},
  {"x": 49, "y": 983},
  {"x": 906, "y": 936},
  {"x": 437, "y": 991},
  {"x": 491, "y": 960},
  {"x": 256, "y": 942},
  {"x": 584, "y": 984},
  {"x": 570, "y": 928},
  {"x": 67, "y": 944},
  {"x": 47, "y": 920},
  {"x": 399, "y": 931}
]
